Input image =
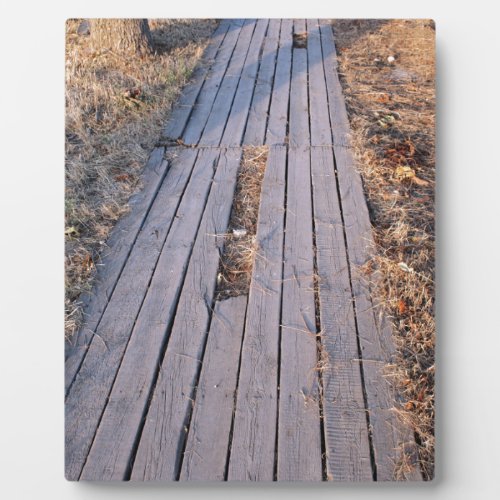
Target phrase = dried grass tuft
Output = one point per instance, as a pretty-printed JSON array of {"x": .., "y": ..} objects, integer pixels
[
  {"x": 240, "y": 250},
  {"x": 115, "y": 108},
  {"x": 391, "y": 110}
]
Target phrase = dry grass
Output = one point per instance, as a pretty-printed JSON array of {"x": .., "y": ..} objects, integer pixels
[
  {"x": 391, "y": 110},
  {"x": 236, "y": 264},
  {"x": 115, "y": 108}
]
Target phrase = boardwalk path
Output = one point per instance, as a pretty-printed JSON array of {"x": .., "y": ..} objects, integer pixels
[{"x": 163, "y": 382}]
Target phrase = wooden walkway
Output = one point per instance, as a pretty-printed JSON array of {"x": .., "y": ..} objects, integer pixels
[{"x": 164, "y": 382}]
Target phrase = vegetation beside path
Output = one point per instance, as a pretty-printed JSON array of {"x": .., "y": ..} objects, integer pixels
[
  {"x": 387, "y": 71},
  {"x": 115, "y": 108}
]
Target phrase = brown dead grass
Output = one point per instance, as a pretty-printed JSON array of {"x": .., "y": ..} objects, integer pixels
[
  {"x": 115, "y": 108},
  {"x": 391, "y": 110},
  {"x": 237, "y": 259}
]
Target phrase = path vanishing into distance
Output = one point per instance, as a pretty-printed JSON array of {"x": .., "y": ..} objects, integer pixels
[{"x": 166, "y": 382}]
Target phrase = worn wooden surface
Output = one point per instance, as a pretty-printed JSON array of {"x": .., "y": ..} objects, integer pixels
[
  {"x": 255, "y": 132},
  {"x": 160, "y": 450},
  {"x": 205, "y": 100},
  {"x": 214, "y": 129},
  {"x": 254, "y": 434},
  {"x": 184, "y": 105},
  {"x": 299, "y": 436},
  {"x": 164, "y": 382},
  {"x": 278, "y": 112},
  {"x": 237, "y": 120},
  {"x": 209, "y": 436}
]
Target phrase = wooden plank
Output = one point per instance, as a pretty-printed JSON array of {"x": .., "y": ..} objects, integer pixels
[
  {"x": 299, "y": 26},
  {"x": 254, "y": 434},
  {"x": 160, "y": 449},
  {"x": 112, "y": 261},
  {"x": 299, "y": 105},
  {"x": 389, "y": 436},
  {"x": 88, "y": 396},
  {"x": 205, "y": 99},
  {"x": 321, "y": 133},
  {"x": 236, "y": 122},
  {"x": 182, "y": 109},
  {"x": 299, "y": 431},
  {"x": 209, "y": 432},
  {"x": 258, "y": 113},
  {"x": 346, "y": 431},
  {"x": 278, "y": 113},
  {"x": 338, "y": 114},
  {"x": 114, "y": 442},
  {"x": 216, "y": 122}
]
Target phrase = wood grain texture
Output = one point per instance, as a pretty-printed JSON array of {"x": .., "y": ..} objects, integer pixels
[
  {"x": 253, "y": 446},
  {"x": 183, "y": 107},
  {"x": 299, "y": 105},
  {"x": 233, "y": 133},
  {"x": 216, "y": 123},
  {"x": 112, "y": 261},
  {"x": 346, "y": 430},
  {"x": 159, "y": 454},
  {"x": 208, "y": 93},
  {"x": 299, "y": 432},
  {"x": 209, "y": 431},
  {"x": 278, "y": 113},
  {"x": 112, "y": 447},
  {"x": 389, "y": 436},
  {"x": 89, "y": 393},
  {"x": 321, "y": 133},
  {"x": 299, "y": 26},
  {"x": 255, "y": 132}
]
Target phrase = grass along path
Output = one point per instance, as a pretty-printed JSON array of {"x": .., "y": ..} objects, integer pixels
[
  {"x": 387, "y": 73},
  {"x": 115, "y": 109}
]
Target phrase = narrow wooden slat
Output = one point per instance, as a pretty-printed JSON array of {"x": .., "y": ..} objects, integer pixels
[
  {"x": 205, "y": 99},
  {"x": 345, "y": 424},
  {"x": 299, "y": 432},
  {"x": 88, "y": 396},
  {"x": 299, "y": 105},
  {"x": 299, "y": 26},
  {"x": 321, "y": 133},
  {"x": 236, "y": 122},
  {"x": 255, "y": 132},
  {"x": 389, "y": 436},
  {"x": 338, "y": 114},
  {"x": 184, "y": 105},
  {"x": 208, "y": 440},
  {"x": 278, "y": 113},
  {"x": 112, "y": 262},
  {"x": 212, "y": 134},
  {"x": 254, "y": 434},
  {"x": 346, "y": 431},
  {"x": 160, "y": 449}
]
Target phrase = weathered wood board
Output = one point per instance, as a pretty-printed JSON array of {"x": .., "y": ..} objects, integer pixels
[{"x": 254, "y": 434}]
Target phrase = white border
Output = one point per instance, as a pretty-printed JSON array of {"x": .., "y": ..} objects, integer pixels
[{"x": 31, "y": 210}]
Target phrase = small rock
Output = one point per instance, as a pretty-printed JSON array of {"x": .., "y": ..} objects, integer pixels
[{"x": 84, "y": 28}]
